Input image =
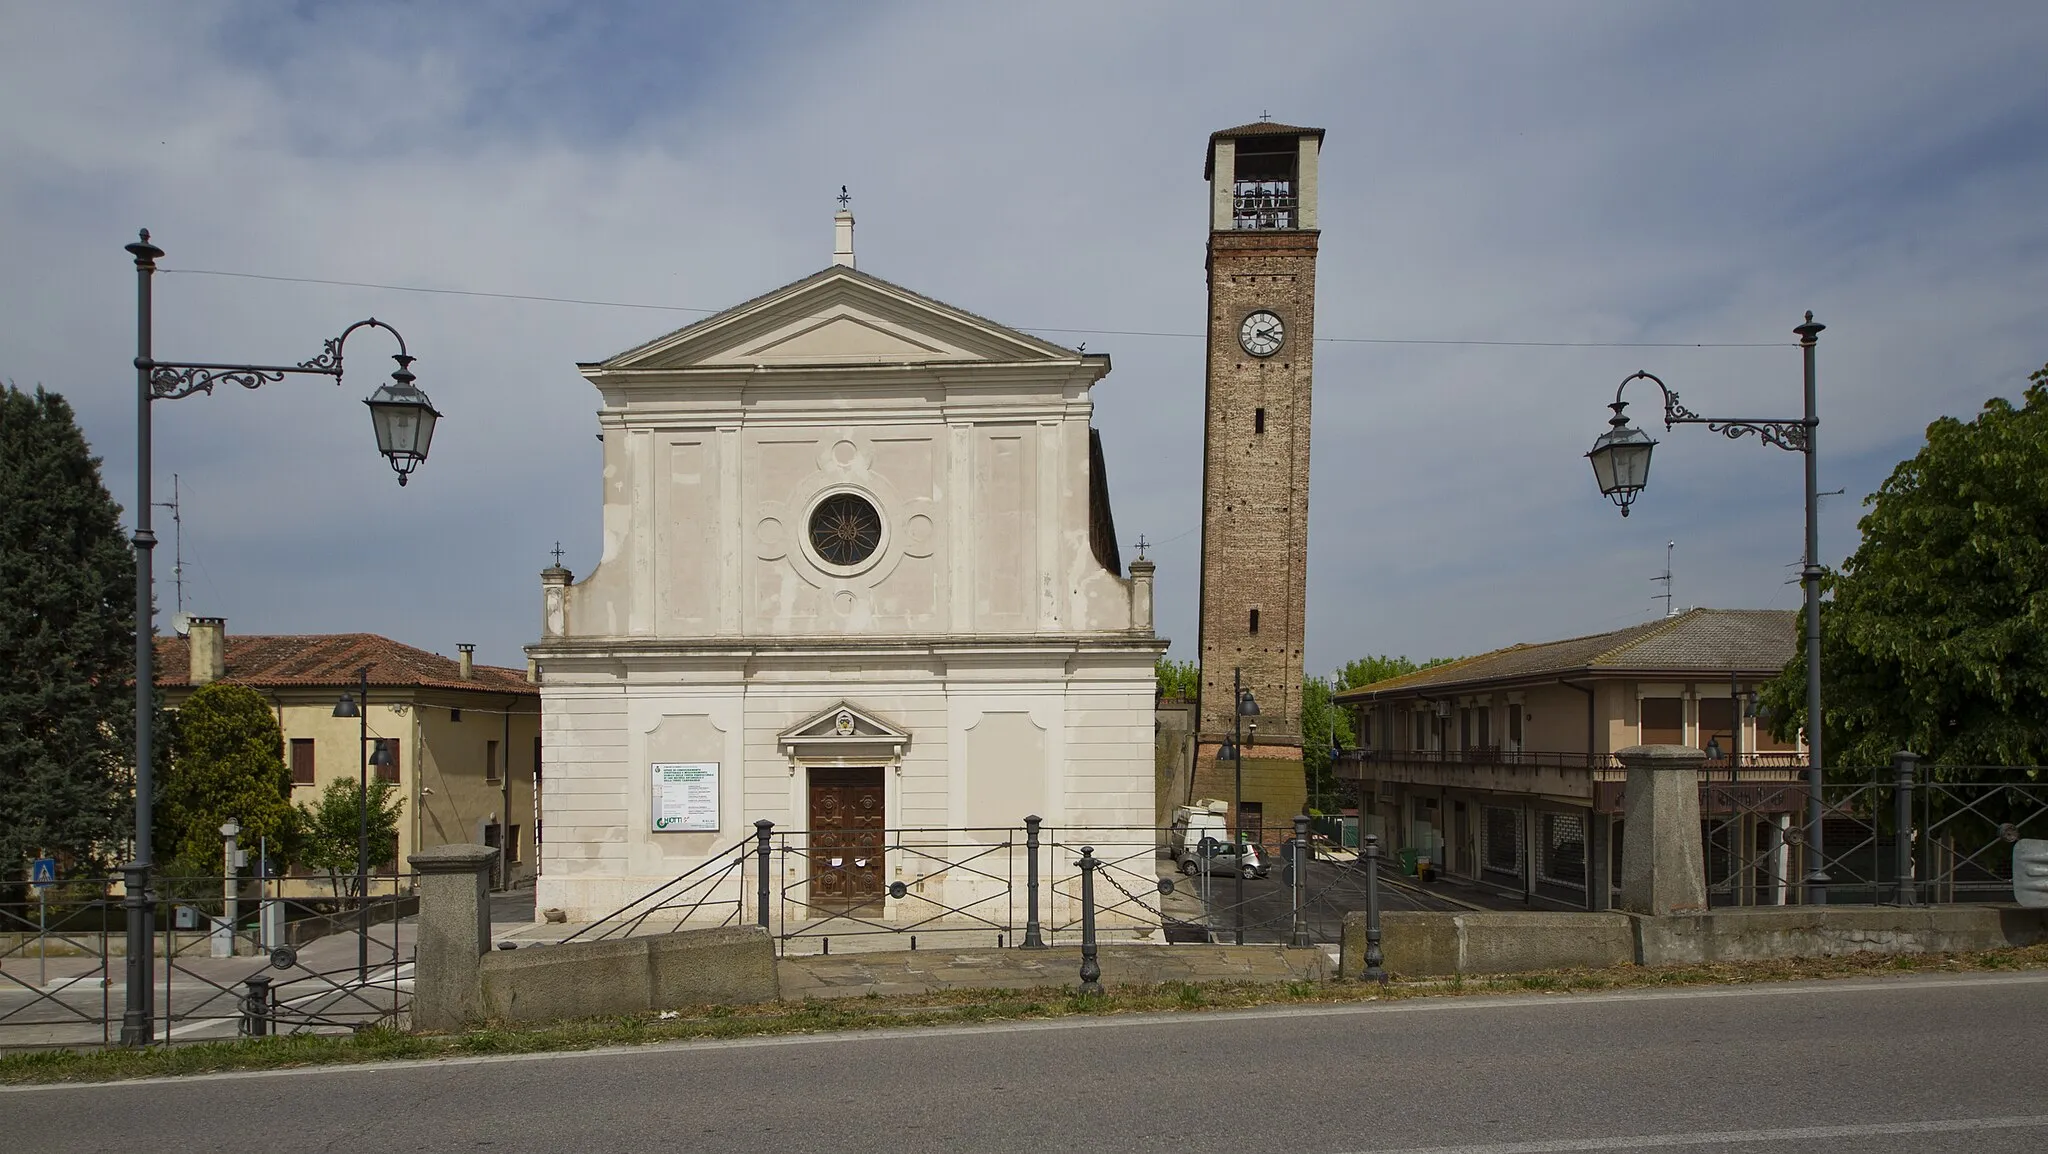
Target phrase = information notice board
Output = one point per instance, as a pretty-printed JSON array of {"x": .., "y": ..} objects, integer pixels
[{"x": 685, "y": 797}]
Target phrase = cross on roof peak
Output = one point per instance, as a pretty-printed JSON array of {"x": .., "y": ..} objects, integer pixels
[
  {"x": 558, "y": 554},
  {"x": 844, "y": 197},
  {"x": 1265, "y": 117},
  {"x": 1142, "y": 546}
]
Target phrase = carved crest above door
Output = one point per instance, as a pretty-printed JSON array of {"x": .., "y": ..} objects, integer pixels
[{"x": 842, "y": 733}]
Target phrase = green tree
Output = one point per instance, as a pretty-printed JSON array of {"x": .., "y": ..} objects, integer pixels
[
  {"x": 1178, "y": 678},
  {"x": 1381, "y": 667},
  {"x": 1936, "y": 639},
  {"x": 67, "y": 620},
  {"x": 227, "y": 762},
  {"x": 1323, "y": 723},
  {"x": 328, "y": 829}
]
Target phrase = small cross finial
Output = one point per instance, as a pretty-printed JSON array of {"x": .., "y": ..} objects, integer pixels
[
  {"x": 1265, "y": 117},
  {"x": 844, "y": 197},
  {"x": 1142, "y": 546},
  {"x": 558, "y": 554}
]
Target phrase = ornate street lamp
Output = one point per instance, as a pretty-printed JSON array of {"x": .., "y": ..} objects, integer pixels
[
  {"x": 1621, "y": 465},
  {"x": 404, "y": 421}
]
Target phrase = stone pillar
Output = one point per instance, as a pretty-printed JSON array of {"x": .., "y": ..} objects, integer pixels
[
  {"x": 1663, "y": 868},
  {"x": 454, "y": 931},
  {"x": 554, "y": 601},
  {"x": 1141, "y": 595}
]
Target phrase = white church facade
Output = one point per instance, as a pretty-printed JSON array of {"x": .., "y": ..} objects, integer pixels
[{"x": 858, "y": 571}]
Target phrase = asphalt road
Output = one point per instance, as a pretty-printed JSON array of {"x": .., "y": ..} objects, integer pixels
[{"x": 1908, "y": 1064}]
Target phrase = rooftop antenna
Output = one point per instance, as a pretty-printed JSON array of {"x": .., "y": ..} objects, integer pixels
[
  {"x": 178, "y": 549},
  {"x": 1665, "y": 577}
]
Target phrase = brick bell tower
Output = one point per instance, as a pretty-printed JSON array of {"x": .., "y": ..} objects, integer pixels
[{"x": 1262, "y": 311}]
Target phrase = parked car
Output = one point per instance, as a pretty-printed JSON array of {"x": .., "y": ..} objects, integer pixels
[{"x": 1247, "y": 859}]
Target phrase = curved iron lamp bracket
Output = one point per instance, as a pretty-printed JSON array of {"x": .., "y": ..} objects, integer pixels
[
  {"x": 1790, "y": 435},
  {"x": 169, "y": 381}
]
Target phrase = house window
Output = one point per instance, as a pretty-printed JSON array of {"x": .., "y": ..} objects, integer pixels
[
  {"x": 389, "y": 772},
  {"x": 302, "y": 761},
  {"x": 1717, "y": 716},
  {"x": 1421, "y": 730},
  {"x": 455, "y": 715},
  {"x": 1255, "y": 622},
  {"x": 1514, "y": 727},
  {"x": 1663, "y": 721},
  {"x": 1258, "y": 420},
  {"x": 490, "y": 761},
  {"x": 1482, "y": 724}
]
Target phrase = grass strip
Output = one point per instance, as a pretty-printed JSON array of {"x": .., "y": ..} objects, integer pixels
[{"x": 943, "y": 1008}]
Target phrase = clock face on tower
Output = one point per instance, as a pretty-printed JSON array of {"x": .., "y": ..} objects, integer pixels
[{"x": 1261, "y": 334}]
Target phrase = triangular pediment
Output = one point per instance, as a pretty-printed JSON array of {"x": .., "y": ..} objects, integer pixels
[
  {"x": 836, "y": 317},
  {"x": 843, "y": 726}
]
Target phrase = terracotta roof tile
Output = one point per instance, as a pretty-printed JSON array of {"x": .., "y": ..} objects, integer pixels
[
  {"x": 1698, "y": 641},
  {"x": 333, "y": 660}
]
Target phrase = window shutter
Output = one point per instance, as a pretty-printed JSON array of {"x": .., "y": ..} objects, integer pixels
[
  {"x": 302, "y": 761},
  {"x": 1663, "y": 721},
  {"x": 390, "y": 772}
]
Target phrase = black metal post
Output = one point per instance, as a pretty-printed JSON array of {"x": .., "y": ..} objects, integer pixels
[
  {"x": 1237, "y": 800},
  {"x": 138, "y": 1008},
  {"x": 1370, "y": 852},
  {"x": 256, "y": 1007},
  {"x": 363, "y": 825},
  {"x": 1905, "y": 763},
  {"x": 763, "y": 829},
  {"x": 1091, "y": 969},
  {"x": 1809, "y": 576},
  {"x": 1034, "y": 936},
  {"x": 1300, "y": 864}
]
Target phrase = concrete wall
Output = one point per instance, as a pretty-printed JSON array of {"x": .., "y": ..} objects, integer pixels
[
  {"x": 629, "y": 975},
  {"x": 1418, "y": 945}
]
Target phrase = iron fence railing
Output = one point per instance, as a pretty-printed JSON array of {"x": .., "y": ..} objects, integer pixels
[
  {"x": 265, "y": 964},
  {"x": 1908, "y": 834}
]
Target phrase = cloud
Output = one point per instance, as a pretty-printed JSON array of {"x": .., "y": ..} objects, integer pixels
[{"x": 1493, "y": 171}]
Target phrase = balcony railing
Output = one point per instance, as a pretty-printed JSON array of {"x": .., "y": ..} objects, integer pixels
[{"x": 1603, "y": 766}]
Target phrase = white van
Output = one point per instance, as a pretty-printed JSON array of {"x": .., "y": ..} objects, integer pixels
[{"x": 1192, "y": 823}]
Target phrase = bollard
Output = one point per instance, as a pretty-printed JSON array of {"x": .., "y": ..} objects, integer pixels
[
  {"x": 1034, "y": 938},
  {"x": 762, "y": 829},
  {"x": 1298, "y": 863},
  {"x": 256, "y": 1007},
  {"x": 1369, "y": 851},
  {"x": 1091, "y": 970},
  {"x": 1904, "y": 763}
]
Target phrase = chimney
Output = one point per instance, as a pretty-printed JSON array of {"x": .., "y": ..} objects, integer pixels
[
  {"x": 466, "y": 664},
  {"x": 842, "y": 235},
  {"x": 206, "y": 641}
]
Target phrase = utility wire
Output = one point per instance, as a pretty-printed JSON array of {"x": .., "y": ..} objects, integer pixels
[{"x": 403, "y": 288}]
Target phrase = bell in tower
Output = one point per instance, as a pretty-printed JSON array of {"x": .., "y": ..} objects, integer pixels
[{"x": 1263, "y": 235}]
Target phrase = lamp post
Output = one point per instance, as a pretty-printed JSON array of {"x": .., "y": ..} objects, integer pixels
[
  {"x": 1243, "y": 705},
  {"x": 358, "y": 707},
  {"x": 1621, "y": 465},
  {"x": 403, "y": 420}
]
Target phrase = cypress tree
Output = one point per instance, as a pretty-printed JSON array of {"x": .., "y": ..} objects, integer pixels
[{"x": 67, "y": 621}]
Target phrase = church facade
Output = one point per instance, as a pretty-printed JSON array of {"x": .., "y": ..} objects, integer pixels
[{"x": 858, "y": 569}]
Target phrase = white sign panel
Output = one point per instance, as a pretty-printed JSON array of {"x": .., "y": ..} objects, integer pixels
[{"x": 685, "y": 797}]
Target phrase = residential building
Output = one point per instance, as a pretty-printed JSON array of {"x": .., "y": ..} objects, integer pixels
[
  {"x": 1500, "y": 768},
  {"x": 859, "y": 575},
  {"x": 463, "y": 739}
]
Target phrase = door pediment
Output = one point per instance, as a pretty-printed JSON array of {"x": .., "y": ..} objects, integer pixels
[
  {"x": 842, "y": 731},
  {"x": 836, "y": 317}
]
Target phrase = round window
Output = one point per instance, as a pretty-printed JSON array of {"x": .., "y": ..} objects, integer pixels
[{"x": 845, "y": 529}]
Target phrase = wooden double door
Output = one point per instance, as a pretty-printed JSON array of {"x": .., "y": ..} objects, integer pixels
[{"x": 849, "y": 831}]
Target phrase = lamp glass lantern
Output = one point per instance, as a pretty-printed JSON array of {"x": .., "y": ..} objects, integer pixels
[
  {"x": 1621, "y": 460},
  {"x": 403, "y": 419}
]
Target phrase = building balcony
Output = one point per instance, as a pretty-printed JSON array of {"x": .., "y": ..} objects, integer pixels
[{"x": 1593, "y": 780}]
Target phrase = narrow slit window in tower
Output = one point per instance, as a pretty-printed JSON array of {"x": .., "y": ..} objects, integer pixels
[
  {"x": 1255, "y": 621},
  {"x": 1258, "y": 420}
]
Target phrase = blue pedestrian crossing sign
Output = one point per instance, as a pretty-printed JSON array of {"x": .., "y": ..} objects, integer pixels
[{"x": 43, "y": 872}]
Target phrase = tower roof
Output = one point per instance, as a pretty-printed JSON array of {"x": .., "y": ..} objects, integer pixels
[{"x": 1255, "y": 128}]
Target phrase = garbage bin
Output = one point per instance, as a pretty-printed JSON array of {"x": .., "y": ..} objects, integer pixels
[{"x": 1407, "y": 858}]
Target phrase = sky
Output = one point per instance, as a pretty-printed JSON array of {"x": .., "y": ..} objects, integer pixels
[{"x": 1521, "y": 204}]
